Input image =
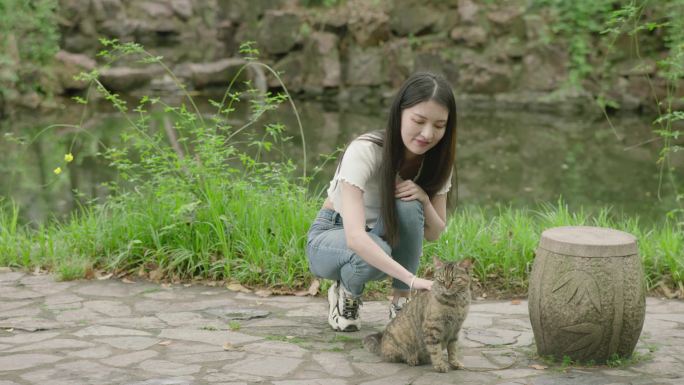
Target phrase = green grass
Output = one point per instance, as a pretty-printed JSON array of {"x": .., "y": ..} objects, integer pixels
[{"x": 256, "y": 235}]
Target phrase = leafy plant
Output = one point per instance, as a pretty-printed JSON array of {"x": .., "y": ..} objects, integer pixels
[
  {"x": 666, "y": 18},
  {"x": 29, "y": 41}
]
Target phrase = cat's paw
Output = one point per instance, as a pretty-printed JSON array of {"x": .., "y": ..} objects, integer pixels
[
  {"x": 456, "y": 364},
  {"x": 413, "y": 361},
  {"x": 441, "y": 367}
]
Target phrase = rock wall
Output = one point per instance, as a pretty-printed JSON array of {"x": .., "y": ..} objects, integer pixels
[{"x": 496, "y": 54}]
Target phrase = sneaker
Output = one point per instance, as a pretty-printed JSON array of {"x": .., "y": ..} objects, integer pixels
[
  {"x": 343, "y": 313},
  {"x": 395, "y": 308}
]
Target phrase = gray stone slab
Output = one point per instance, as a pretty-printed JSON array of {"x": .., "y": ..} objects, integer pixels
[
  {"x": 204, "y": 304},
  {"x": 461, "y": 377},
  {"x": 516, "y": 373},
  {"x": 10, "y": 277},
  {"x": 169, "y": 368},
  {"x": 25, "y": 361},
  {"x": 406, "y": 377},
  {"x": 9, "y": 305},
  {"x": 229, "y": 378},
  {"x": 181, "y": 380},
  {"x": 89, "y": 370},
  {"x": 275, "y": 348},
  {"x": 101, "y": 331},
  {"x": 318, "y": 381},
  {"x": 229, "y": 313},
  {"x": 196, "y": 358},
  {"x": 185, "y": 347},
  {"x": 181, "y": 318},
  {"x": 129, "y": 343},
  {"x": 13, "y": 293},
  {"x": 208, "y": 336},
  {"x": 379, "y": 369},
  {"x": 479, "y": 320},
  {"x": 31, "y": 324},
  {"x": 78, "y": 316},
  {"x": 92, "y": 353},
  {"x": 133, "y": 323},
  {"x": 57, "y": 344},
  {"x": 152, "y": 307},
  {"x": 128, "y": 359},
  {"x": 109, "y": 308},
  {"x": 21, "y": 312},
  {"x": 499, "y": 307},
  {"x": 492, "y": 336},
  {"x": 264, "y": 366},
  {"x": 113, "y": 289},
  {"x": 28, "y": 338},
  {"x": 335, "y": 364}
]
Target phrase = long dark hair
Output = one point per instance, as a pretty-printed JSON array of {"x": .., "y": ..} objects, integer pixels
[{"x": 438, "y": 161}]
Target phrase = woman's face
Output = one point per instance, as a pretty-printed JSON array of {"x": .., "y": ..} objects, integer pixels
[{"x": 422, "y": 127}]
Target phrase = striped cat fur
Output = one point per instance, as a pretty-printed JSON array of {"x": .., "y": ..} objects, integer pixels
[{"x": 429, "y": 322}]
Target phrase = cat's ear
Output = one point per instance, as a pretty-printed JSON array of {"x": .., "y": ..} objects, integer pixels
[
  {"x": 466, "y": 264},
  {"x": 437, "y": 262}
]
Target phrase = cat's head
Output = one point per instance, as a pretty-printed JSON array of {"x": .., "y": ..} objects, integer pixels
[{"x": 451, "y": 277}]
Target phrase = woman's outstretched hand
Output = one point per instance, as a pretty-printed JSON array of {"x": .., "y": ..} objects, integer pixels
[
  {"x": 422, "y": 284},
  {"x": 408, "y": 191}
]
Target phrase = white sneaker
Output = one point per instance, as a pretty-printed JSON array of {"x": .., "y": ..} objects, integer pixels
[
  {"x": 343, "y": 312},
  {"x": 395, "y": 308}
]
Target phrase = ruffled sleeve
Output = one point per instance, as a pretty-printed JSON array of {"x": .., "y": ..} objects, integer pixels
[{"x": 359, "y": 164}]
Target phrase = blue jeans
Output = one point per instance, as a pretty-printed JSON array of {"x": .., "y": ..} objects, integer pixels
[{"x": 329, "y": 256}]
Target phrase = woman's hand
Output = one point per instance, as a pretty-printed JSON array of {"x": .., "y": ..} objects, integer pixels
[
  {"x": 422, "y": 284},
  {"x": 408, "y": 191}
]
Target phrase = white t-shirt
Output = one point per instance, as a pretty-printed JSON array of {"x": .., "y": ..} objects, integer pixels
[{"x": 360, "y": 167}]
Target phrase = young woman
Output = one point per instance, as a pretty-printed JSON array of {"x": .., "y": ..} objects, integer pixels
[{"x": 388, "y": 192}]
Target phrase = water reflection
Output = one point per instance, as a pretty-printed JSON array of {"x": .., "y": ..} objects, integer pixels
[{"x": 514, "y": 158}]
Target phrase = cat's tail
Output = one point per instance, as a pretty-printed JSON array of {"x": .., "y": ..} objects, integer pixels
[{"x": 372, "y": 342}]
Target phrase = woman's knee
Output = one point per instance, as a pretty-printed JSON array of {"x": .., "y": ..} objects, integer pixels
[{"x": 410, "y": 212}]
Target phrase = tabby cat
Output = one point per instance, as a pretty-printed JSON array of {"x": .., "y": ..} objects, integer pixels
[{"x": 429, "y": 322}]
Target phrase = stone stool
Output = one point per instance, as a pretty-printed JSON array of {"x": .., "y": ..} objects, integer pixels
[{"x": 586, "y": 294}]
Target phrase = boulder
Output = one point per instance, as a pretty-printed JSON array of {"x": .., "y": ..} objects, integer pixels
[
  {"x": 325, "y": 68},
  {"x": 544, "y": 69},
  {"x": 471, "y": 36},
  {"x": 124, "y": 79},
  {"x": 155, "y": 10},
  {"x": 291, "y": 72},
  {"x": 69, "y": 65},
  {"x": 279, "y": 31},
  {"x": 182, "y": 8},
  {"x": 364, "y": 66},
  {"x": 412, "y": 19},
  {"x": 107, "y": 10},
  {"x": 468, "y": 10},
  {"x": 201, "y": 75},
  {"x": 369, "y": 28},
  {"x": 400, "y": 60},
  {"x": 508, "y": 20},
  {"x": 484, "y": 77}
]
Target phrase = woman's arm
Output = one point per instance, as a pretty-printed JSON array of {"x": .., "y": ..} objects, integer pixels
[
  {"x": 434, "y": 210},
  {"x": 435, "y": 216},
  {"x": 353, "y": 214}
]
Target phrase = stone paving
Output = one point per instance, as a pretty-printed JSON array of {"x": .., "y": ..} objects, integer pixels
[{"x": 120, "y": 332}]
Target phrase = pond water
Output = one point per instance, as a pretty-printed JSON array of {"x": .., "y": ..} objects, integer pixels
[{"x": 516, "y": 158}]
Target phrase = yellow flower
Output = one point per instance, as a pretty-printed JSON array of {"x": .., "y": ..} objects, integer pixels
[
  {"x": 68, "y": 157},
  {"x": 58, "y": 170}
]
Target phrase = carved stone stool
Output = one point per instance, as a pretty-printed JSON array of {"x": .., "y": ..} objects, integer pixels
[{"x": 586, "y": 293}]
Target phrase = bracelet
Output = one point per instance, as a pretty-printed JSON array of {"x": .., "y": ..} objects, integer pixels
[{"x": 412, "y": 280}]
